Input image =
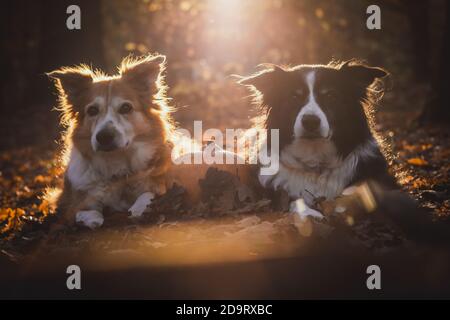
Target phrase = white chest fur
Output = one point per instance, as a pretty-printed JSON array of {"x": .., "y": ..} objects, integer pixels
[
  {"x": 311, "y": 169},
  {"x": 84, "y": 173}
]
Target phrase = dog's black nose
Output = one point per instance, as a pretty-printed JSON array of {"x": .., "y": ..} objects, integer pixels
[
  {"x": 310, "y": 122},
  {"x": 105, "y": 139}
]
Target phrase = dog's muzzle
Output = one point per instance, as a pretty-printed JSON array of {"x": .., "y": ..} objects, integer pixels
[
  {"x": 311, "y": 126},
  {"x": 106, "y": 139}
]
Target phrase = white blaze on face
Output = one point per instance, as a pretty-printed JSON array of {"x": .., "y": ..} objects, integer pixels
[
  {"x": 311, "y": 108},
  {"x": 121, "y": 124},
  {"x": 100, "y": 102}
]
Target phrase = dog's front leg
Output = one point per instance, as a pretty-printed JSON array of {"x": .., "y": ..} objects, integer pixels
[
  {"x": 301, "y": 208},
  {"x": 79, "y": 207},
  {"x": 141, "y": 204},
  {"x": 89, "y": 213},
  {"x": 90, "y": 218}
]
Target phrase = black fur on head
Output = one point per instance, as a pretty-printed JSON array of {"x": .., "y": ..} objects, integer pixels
[{"x": 343, "y": 93}]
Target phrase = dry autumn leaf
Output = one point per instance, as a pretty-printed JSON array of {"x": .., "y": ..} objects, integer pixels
[{"x": 418, "y": 162}]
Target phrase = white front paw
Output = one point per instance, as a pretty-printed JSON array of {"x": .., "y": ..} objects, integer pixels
[
  {"x": 141, "y": 203},
  {"x": 90, "y": 218},
  {"x": 299, "y": 206},
  {"x": 349, "y": 191}
]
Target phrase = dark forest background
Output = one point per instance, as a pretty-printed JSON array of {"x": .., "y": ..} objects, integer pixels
[{"x": 206, "y": 41}]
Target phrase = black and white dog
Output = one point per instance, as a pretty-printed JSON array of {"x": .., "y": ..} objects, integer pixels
[{"x": 324, "y": 117}]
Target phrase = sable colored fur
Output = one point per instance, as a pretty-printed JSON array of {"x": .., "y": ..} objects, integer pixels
[{"x": 117, "y": 141}]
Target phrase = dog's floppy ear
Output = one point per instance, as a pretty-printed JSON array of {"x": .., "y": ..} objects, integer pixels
[
  {"x": 142, "y": 73},
  {"x": 70, "y": 82},
  {"x": 362, "y": 74},
  {"x": 263, "y": 80}
]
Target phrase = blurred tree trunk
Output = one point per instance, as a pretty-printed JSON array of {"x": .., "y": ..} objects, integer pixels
[
  {"x": 418, "y": 14},
  {"x": 437, "y": 109},
  {"x": 35, "y": 40},
  {"x": 20, "y": 30}
]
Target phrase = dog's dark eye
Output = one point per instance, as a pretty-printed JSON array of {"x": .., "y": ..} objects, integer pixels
[
  {"x": 328, "y": 93},
  {"x": 298, "y": 94},
  {"x": 92, "y": 110},
  {"x": 125, "y": 108}
]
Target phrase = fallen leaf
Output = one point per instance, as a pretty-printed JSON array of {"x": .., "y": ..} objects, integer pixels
[{"x": 418, "y": 162}]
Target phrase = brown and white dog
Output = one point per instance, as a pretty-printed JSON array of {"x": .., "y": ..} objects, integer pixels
[{"x": 118, "y": 138}]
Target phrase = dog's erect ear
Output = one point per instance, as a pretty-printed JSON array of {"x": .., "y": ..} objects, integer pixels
[
  {"x": 72, "y": 81},
  {"x": 142, "y": 73},
  {"x": 362, "y": 74},
  {"x": 264, "y": 79}
]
